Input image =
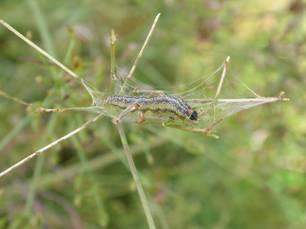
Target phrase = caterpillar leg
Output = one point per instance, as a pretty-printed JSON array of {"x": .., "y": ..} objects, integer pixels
[
  {"x": 125, "y": 112},
  {"x": 141, "y": 117}
]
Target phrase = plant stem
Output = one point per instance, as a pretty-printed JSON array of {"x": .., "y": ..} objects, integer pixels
[{"x": 143, "y": 199}]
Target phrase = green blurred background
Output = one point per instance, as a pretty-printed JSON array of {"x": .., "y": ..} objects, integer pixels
[{"x": 252, "y": 177}]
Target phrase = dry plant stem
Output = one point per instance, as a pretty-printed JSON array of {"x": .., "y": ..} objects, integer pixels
[
  {"x": 225, "y": 66},
  {"x": 113, "y": 56},
  {"x": 98, "y": 163},
  {"x": 58, "y": 110},
  {"x": 143, "y": 199},
  {"x": 32, "y": 107},
  {"x": 4, "y": 94},
  {"x": 40, "y": 50},
  {"x": 47, "y": 55},
  {"x": 43, "y": 149},
  {"x": 242, "y": 100},
  {"x": 129, "y": 76}
]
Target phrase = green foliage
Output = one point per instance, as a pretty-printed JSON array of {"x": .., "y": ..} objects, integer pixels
[{"x": 252, "y": 177}]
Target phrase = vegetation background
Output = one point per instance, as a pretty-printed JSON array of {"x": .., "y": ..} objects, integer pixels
[{"x": 252, "y": 177}]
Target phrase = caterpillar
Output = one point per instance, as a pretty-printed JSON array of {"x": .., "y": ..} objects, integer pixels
[{"x": 159, "y": 103}]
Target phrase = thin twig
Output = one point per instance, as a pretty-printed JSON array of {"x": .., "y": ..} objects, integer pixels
[
  {"x": 241, "y": 100},
  {"x": 17, "y": 100},
  {"x": 129, "y": 76},
  {"x": 225, "y": 65},
  {"x": 43, "y": 109},
  {"x": 47, "y": 55},
  {"x": 43, "y": 149},
  {"x": 40, "y": 50},
  {"x": 101, "y": 162},
  {"x": 113, "y": 56}
]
